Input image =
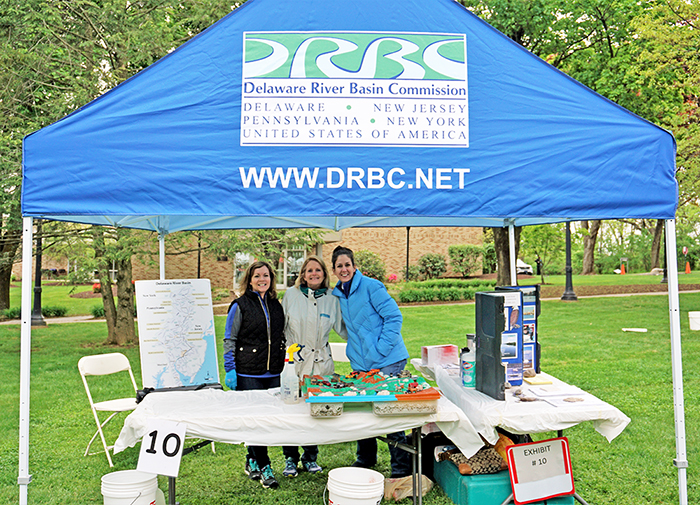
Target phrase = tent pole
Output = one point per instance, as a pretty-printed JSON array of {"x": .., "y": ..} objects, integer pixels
[
  {"x": 161, "y": 249},
  {"x": 681, "y": 461},
  {"x": 511, "y": 243},
  {"x": 24, "y": 478}
]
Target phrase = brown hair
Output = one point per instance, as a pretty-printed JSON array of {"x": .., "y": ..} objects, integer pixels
[
  {"x": 340, "y": 251},
  {"x": 300, "y": 279},
  {"x": 245, "y": 281}
]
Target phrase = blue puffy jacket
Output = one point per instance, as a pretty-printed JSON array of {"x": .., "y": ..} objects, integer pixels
[{"x": 373, "y": 321}]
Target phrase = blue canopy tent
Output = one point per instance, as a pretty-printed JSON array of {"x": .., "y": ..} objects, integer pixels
[{"x": 334, "y": 115}]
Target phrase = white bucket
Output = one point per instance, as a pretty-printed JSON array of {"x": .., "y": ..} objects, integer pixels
[
  {"x": 694, "y": 318},
  {"x": 129, "y": 487},
  {"x": 355, "y": 486}
]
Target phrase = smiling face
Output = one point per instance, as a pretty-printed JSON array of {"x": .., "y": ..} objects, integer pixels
[
  {"x": 343, "y": 268},
  {"x": 313, "y": 275},
  {"x": 260, "y": 280}
]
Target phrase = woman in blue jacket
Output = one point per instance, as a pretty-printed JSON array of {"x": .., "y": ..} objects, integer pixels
[{"x": 373, "y": 322}]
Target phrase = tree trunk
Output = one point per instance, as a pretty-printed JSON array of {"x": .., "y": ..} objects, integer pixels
[
  {"x": 589, "y": 241},
  {"x": 9, "y": 243},
  {"x": 502, "y": 246},
  {"x": 656, "y": 244},
  {"x": 105, "y": 284},
  {"x": 126, "y": 334}
]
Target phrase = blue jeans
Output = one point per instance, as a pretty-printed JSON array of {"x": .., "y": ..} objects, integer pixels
[
  {"x": 258, "y": 453},
  {"x": 367, "y": 448},
  {"x": 292, "y": 451}
]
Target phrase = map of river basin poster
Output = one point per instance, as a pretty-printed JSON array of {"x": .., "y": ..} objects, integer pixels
[{"x": 176, "y": 333}]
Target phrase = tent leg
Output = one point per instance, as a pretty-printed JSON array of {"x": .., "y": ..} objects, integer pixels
[
  {"x": 511, "y": 243},
  {"x": 161, "y": 250},
  {"x": 681, "y": 461},
  {"x": 24, "y": 478}
]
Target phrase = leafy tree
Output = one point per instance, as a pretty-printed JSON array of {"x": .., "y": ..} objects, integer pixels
[
  {"x": 268, "y": 244},
  {"x": 544, "y": 241},
  {"x": 489, "y": 261},
  {"x": 465, "y": 258},
  {"x": 668, "y": 63},
  {"x": 59, "y": 55},
  {"x": 584, "y": 38}
]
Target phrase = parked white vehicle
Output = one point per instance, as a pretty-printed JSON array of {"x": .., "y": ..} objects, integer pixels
[{"x": 522, "y": 268}]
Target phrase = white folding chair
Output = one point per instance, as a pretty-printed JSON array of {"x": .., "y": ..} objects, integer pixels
[
  {"x": 106, "y": 364},
  {"x": 338, "y": 352}
]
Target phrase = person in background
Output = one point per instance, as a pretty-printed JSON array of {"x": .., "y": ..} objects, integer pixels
[
  {"x": 310, "y": 312},
  {"x": 254, "y": 350},
  {"x": 373, "y": 323}
]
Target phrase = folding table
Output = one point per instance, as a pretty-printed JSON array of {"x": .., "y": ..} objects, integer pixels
[{"x": 261, "y": 418}]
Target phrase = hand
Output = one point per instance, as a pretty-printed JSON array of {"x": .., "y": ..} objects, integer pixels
[{"x": 231, "y": 380}]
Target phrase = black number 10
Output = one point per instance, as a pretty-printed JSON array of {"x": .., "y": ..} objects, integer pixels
[{"x": 170, "y": 454}]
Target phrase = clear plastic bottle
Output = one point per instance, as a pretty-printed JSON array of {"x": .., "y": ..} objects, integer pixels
[
  {"x": 467, "y": 360},
  {"x": 289, "y": 382}
]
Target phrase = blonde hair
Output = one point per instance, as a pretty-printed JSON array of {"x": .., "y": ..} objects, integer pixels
[
  {"x": 300, "y": 279},
  {"x": 245, "y": 281}
]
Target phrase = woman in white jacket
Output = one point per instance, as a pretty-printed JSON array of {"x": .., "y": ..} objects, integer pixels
[{"x": 310, "y": 311}]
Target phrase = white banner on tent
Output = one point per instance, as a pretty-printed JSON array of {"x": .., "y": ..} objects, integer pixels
[{"x": 311, "y": 88}]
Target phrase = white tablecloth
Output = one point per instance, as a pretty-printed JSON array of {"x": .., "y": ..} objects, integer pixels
[
  {"x": 261, "y": 418},
  {"x": 486, "y": 413}
]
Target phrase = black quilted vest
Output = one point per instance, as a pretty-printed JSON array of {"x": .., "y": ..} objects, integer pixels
[{"x": 257, "y": 352}]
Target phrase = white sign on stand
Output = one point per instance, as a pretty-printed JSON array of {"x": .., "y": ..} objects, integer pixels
[
  {"x": 540, "y": 470},
  {"x": 161, "y": 448}
]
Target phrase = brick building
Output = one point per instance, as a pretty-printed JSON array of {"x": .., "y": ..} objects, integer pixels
[{"x": 389, "y": 243}]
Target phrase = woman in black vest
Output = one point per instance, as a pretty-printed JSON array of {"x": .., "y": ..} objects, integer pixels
[{"x": 254, "y": 348}]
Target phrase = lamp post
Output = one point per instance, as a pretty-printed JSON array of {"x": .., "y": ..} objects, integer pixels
[
  {"x": 408, "y": 245},
  {"x": 569, "y": 294},
  {"x": 37, "y": 318}
]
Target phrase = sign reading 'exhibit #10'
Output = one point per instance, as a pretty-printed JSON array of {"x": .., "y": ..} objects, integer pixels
[{"x": 354, "y": 89}]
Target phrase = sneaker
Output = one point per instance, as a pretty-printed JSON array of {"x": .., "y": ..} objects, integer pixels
[
  {"x": 267, "y": 478},
  {"x": 290, "y": 468},
  {"x": 252, "y": 470},
  {"x": 312, "y": 467}
]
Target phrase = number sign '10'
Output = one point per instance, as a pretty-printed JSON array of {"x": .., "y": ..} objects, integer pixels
[{"x": 161, "y": 448}]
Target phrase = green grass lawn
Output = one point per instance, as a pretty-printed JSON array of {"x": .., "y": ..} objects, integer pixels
[
  {"x": 616, "y": 280},
  {"x": 52, "y": 295},
  {"x": 582, "y": 343}
]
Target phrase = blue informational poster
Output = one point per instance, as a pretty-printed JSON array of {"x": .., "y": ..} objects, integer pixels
[
  {"x": 530, "y": 313},
  {"x": 512, "y": 336}
]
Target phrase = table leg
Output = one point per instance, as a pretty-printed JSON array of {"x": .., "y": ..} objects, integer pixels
[
  {"x": 171, "y": 491},
  {"x": 417, "y": 460},
  {"x": 579, "y": 499},
  {"x": 419, "y": 464}
]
